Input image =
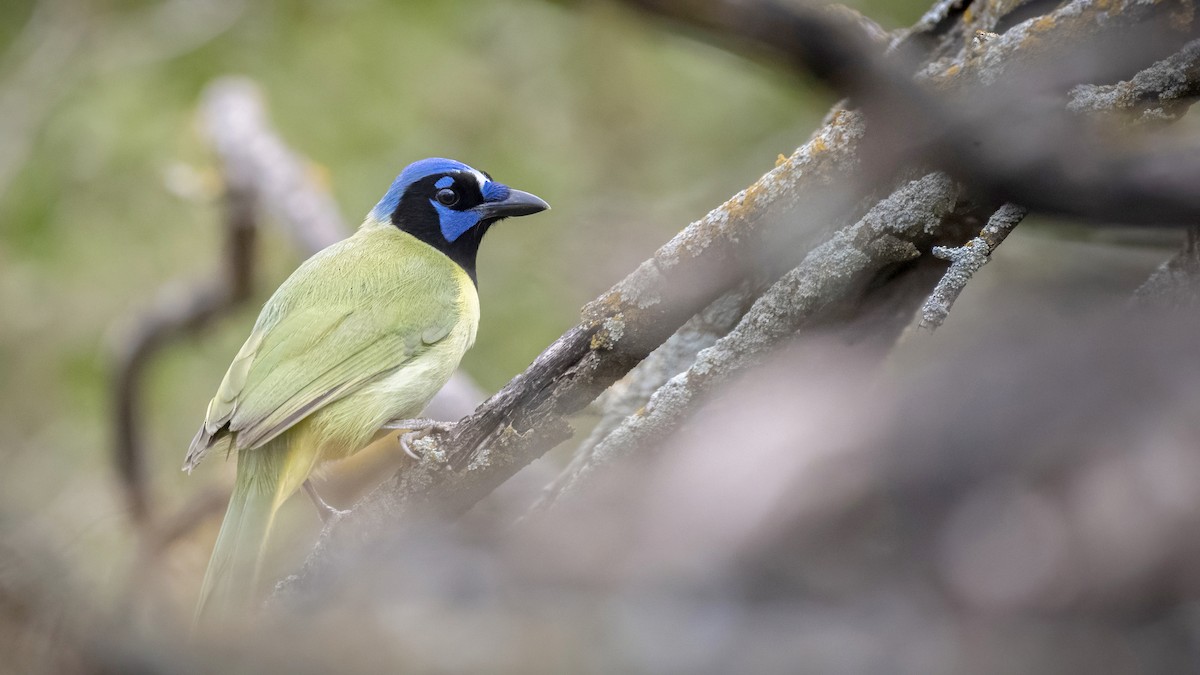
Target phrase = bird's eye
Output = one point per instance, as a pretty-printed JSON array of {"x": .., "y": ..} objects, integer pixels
[{"x": 447, "y": 197}]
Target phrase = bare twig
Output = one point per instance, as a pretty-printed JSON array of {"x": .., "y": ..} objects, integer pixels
[
  {"x": 966, "y": 260},
  {"x": 175, "y": 313}
]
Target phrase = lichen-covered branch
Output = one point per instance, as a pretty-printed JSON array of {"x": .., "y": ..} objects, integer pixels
[
  {"x": 633, "y": 391},
  {"x": 987, "y": 124},
  {"x": 832, "y": 276},
  {"x": 1162, "y": 92},
  {"x": 965, "y": 261}
]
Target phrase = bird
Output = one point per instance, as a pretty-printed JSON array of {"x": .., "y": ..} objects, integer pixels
[{"x": 364, "y": 332}]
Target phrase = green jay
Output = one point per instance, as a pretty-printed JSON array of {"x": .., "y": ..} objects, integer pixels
[{"x": 362, "y": 333}]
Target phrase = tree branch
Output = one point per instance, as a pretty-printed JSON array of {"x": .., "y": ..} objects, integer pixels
[
  {"x": 634, "y": 391},
  {"x": 966, "y": 260},
  {"x": 831, "y": 280},
  {"x": 1162, "y": 92}
]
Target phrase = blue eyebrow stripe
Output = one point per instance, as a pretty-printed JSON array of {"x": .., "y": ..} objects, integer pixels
[
  {"x": 444, "y": 182},
  {"x": 495, "y": 192}
]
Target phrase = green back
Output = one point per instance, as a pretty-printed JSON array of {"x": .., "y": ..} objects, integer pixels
[{"x": 352, "y": 313}]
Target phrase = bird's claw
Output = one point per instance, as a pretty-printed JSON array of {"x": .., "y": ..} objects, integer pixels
[
  {"x": 325, "y": 511},
  {"x": 415, "y": 431}
]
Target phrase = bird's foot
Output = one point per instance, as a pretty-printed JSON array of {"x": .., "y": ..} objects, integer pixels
[
  {"x": 327, "y": 512},
  {"x": 415, "y": 430}
]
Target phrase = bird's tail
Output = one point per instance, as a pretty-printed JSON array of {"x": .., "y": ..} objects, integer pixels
[{"x": 266, "y": 477}]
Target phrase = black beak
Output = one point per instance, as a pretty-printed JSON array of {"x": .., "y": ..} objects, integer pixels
[{"x": 517, "y": 203}]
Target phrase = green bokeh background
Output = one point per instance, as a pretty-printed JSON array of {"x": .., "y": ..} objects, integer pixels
[{"x": 630, "y": 131}]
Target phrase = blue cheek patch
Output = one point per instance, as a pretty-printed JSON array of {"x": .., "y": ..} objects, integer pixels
[
  {"x": 444, "y": 182},
  {"x": 454, "y": 223}
]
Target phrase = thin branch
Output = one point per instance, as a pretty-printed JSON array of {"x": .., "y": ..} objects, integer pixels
[
  {"x": 175, "y": 313},
  {"x": 966, "y": 260},
  {"x": 1162, "y": 92}
]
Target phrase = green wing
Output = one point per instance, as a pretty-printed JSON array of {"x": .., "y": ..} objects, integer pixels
[{"x": 318, "y": 353}]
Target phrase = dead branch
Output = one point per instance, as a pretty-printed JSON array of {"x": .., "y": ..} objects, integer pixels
[
  {"x": 177, "y": 313},
  {"x": 633, "y": 392},
  {"x": 965, "y": 261},
  {"x": 1162, "y": 92},
  {"x": 992, "y": 135},
  {"x": 830, "y": 281}
]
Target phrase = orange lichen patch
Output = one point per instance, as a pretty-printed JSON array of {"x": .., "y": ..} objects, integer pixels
[
  {"x": 952, "y": 70},
  {"x": 744, "y": 200},
  {"x": 967, "y": 14},
  {"x": 817, "y": 146},
  {"x": 780, "y": 159},
  {"x": 601, "y": 308}
]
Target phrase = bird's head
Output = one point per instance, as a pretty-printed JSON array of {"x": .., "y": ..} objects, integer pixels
[{"x": 450, "y": 206}]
